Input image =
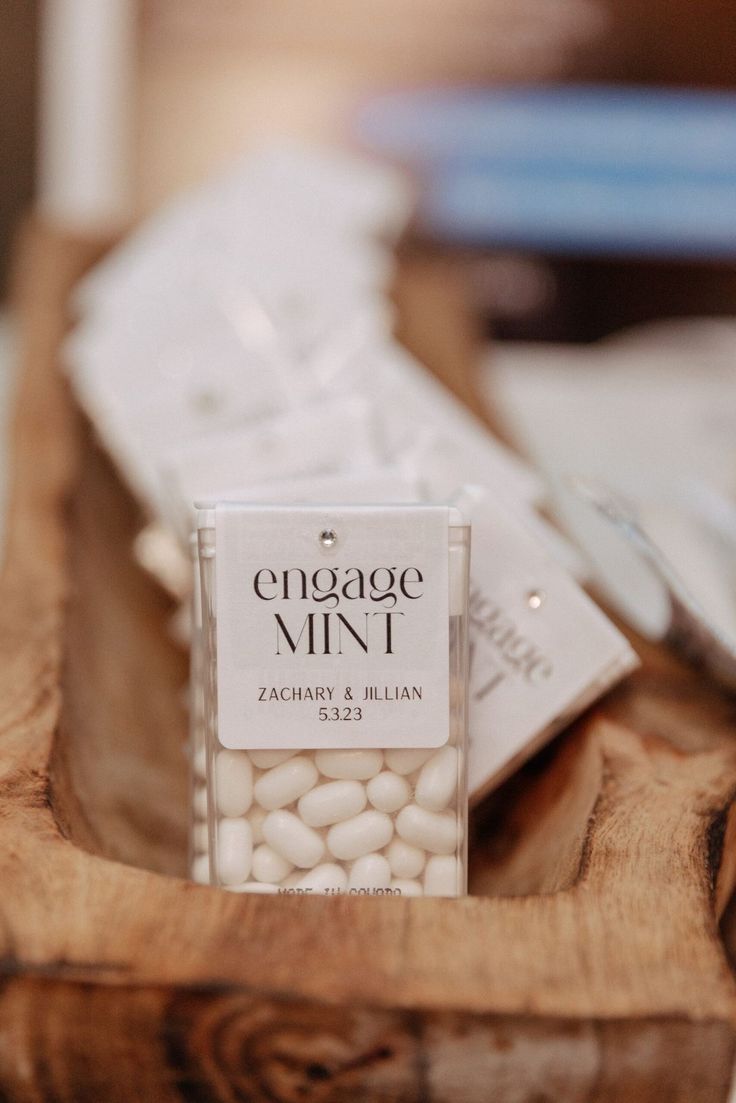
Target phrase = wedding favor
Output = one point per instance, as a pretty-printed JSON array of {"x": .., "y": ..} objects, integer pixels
[
  {"x": 238, "y": 347},
  {"x": 335, "y": 648},
  {"x": 383, "y": 484},
  {"x": 414, "y": 408},
  {"x": 224, "y": 308},
  {"x": 315, "y": 193},
  {"x": 334, "y": 436},
  {"x": 541, "y": 650},
  {"x": 440, "y": 460}
]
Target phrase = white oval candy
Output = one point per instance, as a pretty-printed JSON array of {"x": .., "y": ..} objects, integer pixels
[
  {"x": 442, "y": 876},
  {"x": 199, "y": 802},
  {"x": 285, "y": 783},
  {"x": 255, "y": 818},
  {"x": 327, "y": 877},
  {"x": 349, "y": 765},
  {"x": 293, "y": 879},
  {"x": 372, "y": 871},
  {"x": 268, "y": 865},
  {"x": 406, "y": 760},
  {"x": 234, "y": 851},
  {"x": 264, "y": 760},
  {"x": 437, "y": 781},
  {"x": 388, "y": 791},
  {"x": 334, "y": 801},
  {"x": 406, "y": 861},
  {"x": 233, "y": 783},
  {"x": 433, "y": 831},
  {"x": 292, "y": 839},
  {"x": 406, "y": 888},
  {"x": 199, "y": 763},
  {"x": 360, "y": 835}
]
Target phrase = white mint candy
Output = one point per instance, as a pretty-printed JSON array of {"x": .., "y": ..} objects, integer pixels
[
  {"x": 199, "y": 763},
  {"x": 352, "y": 765},
  {"x": 406, "y": 861},
  {"x": 292, "y": 839},
  {"x": 264, "y": 760},
  {"x": 360, "y": 835},
  {"x": 201, "y": 869},
  {"x": 234, "y": 851},
  {"x": 199, "y": 802},
  {"x": 255, "y": 818},
  {"x": 372, "y": 871},
  {"x": 406, "y": 760},
  {"x": 437, "y": 781},
  {"x": 334, "y": 801},
  {"x": 325, "y": 878},
  {"x": 442, "y": 876},
  {"x": 293, "y": 879},
  {"x": 233, "y": 783},
  {"x": 285, "y": 783},
  {"x": 268, "y": 865},
  {"x": 433, "y": 831},
  {"x": 407, "y": 888},
  {"x": 388, "y": 791}
]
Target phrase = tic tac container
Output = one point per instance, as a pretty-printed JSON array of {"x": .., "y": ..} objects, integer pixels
[{"x": 335, "y": 684}]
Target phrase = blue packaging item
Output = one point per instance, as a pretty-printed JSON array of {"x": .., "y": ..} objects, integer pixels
[{"x": 576, "y": 169}]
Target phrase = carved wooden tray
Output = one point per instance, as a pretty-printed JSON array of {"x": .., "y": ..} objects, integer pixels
[{"x": 588, "y": 966}]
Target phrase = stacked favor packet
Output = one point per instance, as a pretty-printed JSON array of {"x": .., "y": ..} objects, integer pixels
[{"x": 239, "y": 346}]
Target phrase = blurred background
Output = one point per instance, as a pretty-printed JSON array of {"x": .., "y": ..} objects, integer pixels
[
  {"x": 576, "y": 158},
  {"x": 107, "y": 106}
]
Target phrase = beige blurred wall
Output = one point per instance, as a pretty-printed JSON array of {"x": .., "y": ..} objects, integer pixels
[{"x": 219, "y": 74}]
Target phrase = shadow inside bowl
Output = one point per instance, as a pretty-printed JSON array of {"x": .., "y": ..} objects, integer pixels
[{"x": 119, "y": 767}]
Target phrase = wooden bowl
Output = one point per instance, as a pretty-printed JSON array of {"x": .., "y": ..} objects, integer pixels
[{"x": 588, "y": 966}]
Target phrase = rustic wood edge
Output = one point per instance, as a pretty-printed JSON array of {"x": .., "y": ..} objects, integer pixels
[{"x": 73, "y": 918}]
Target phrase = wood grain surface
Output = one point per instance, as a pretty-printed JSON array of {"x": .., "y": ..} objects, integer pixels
[{"x": 588, "y": 965}]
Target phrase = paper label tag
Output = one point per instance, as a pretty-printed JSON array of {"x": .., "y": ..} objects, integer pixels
[
  {"x": 334, "y": 436},
  {"x": 332, "y": 626},
  {"x": 540, "y": 649}
]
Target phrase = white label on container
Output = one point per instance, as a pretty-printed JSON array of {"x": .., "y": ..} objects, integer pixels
[{"x": 332, "y": 626}]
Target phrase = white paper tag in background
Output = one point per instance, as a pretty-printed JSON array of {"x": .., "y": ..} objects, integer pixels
[
  {"x": 329, "y": 437},
  {"x": 414, "y": 409},
  {"x": 439, "y": 463},
  {"x": 384, "y": 484},
  {"x": 587, "y": 411},
  {"x": 324, "y": 194},
  {"x": 326, "y": 642}
]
